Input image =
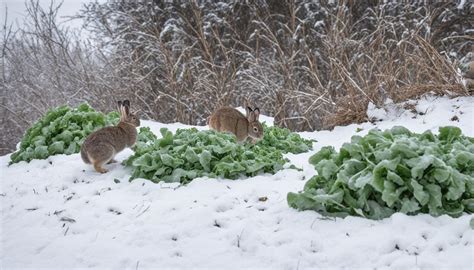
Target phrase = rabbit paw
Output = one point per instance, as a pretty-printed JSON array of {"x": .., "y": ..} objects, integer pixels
[
  {"x": 112, "y": 161},
  {"x": 99, "y": 168}
]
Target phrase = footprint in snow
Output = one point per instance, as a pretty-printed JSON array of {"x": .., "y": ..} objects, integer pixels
[{"x": 115, "y": 211}]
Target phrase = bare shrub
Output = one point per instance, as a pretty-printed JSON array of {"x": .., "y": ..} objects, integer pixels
[
  {"x": 43, "y": 66},
  {"x": 310, "y": 64}
]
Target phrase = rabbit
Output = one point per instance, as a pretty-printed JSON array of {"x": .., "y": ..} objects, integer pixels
[
  {"x": 227, "y": 119},
  {"x": 469, "y": 71},
  {"x": 101, "y": 146}
]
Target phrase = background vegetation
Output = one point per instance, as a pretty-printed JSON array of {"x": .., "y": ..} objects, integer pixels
[{"x": 310, "y": 64}]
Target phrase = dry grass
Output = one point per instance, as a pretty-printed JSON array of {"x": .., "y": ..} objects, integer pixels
[{"x": 277, "y": 56}]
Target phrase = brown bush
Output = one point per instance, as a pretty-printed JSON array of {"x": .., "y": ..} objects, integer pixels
[{"x": 311, "y": 65}]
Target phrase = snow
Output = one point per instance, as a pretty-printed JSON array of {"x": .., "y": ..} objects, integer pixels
[
  {"x": 461, "y": 4},
  {"x": 375, "y": 113},
  {"x": 59, "y": 213}
]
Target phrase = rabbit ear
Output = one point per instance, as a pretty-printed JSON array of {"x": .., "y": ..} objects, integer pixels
[
  {"x": 256, "y": 113},
  {"x": 120, "y": 109},
  {"x": 253, "y": 116},
  {"x": 126, "y": 106},
  {"x": 119, "y": 106},
  {"x": 248, "y": 110}
]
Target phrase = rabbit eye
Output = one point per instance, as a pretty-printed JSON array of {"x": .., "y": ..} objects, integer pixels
[{"x": 255, "y": 129}]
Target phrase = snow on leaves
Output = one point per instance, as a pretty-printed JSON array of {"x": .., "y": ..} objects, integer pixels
[{"x": 393, "y": 171}]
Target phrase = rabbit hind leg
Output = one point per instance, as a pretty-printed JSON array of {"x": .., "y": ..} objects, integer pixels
[{"x": 105, "y": 155}]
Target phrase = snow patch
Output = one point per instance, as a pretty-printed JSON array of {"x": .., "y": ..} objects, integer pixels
[{"x": 59, "y": 213}]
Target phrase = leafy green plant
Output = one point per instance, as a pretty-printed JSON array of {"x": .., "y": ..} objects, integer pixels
[
  {"x": 285, "y": 140},
  {"x": 61, "y": 131},
  {"x": 190, "y": 153},
  {"x": 392, "y": 171}
]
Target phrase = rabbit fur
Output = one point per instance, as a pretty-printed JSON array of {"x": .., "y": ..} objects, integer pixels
[
  {"x": 101, "y": 146},
  {"x": 227, "y": 119}
]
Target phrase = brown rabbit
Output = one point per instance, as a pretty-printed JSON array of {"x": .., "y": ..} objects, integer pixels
[
  {"x": 469, "y": 71},
  {"x": 101, "y": 146},
  {"x": 227, "y": 119}
]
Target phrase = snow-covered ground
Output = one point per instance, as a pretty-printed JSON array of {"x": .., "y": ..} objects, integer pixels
[{"x": 59, "y": 213}]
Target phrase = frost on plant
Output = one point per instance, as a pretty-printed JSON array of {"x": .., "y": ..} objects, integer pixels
[
  {"x": 61, "y": 131},
  {"x": 190, "y": 153},
  {"x": 393, "y": 171}
]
